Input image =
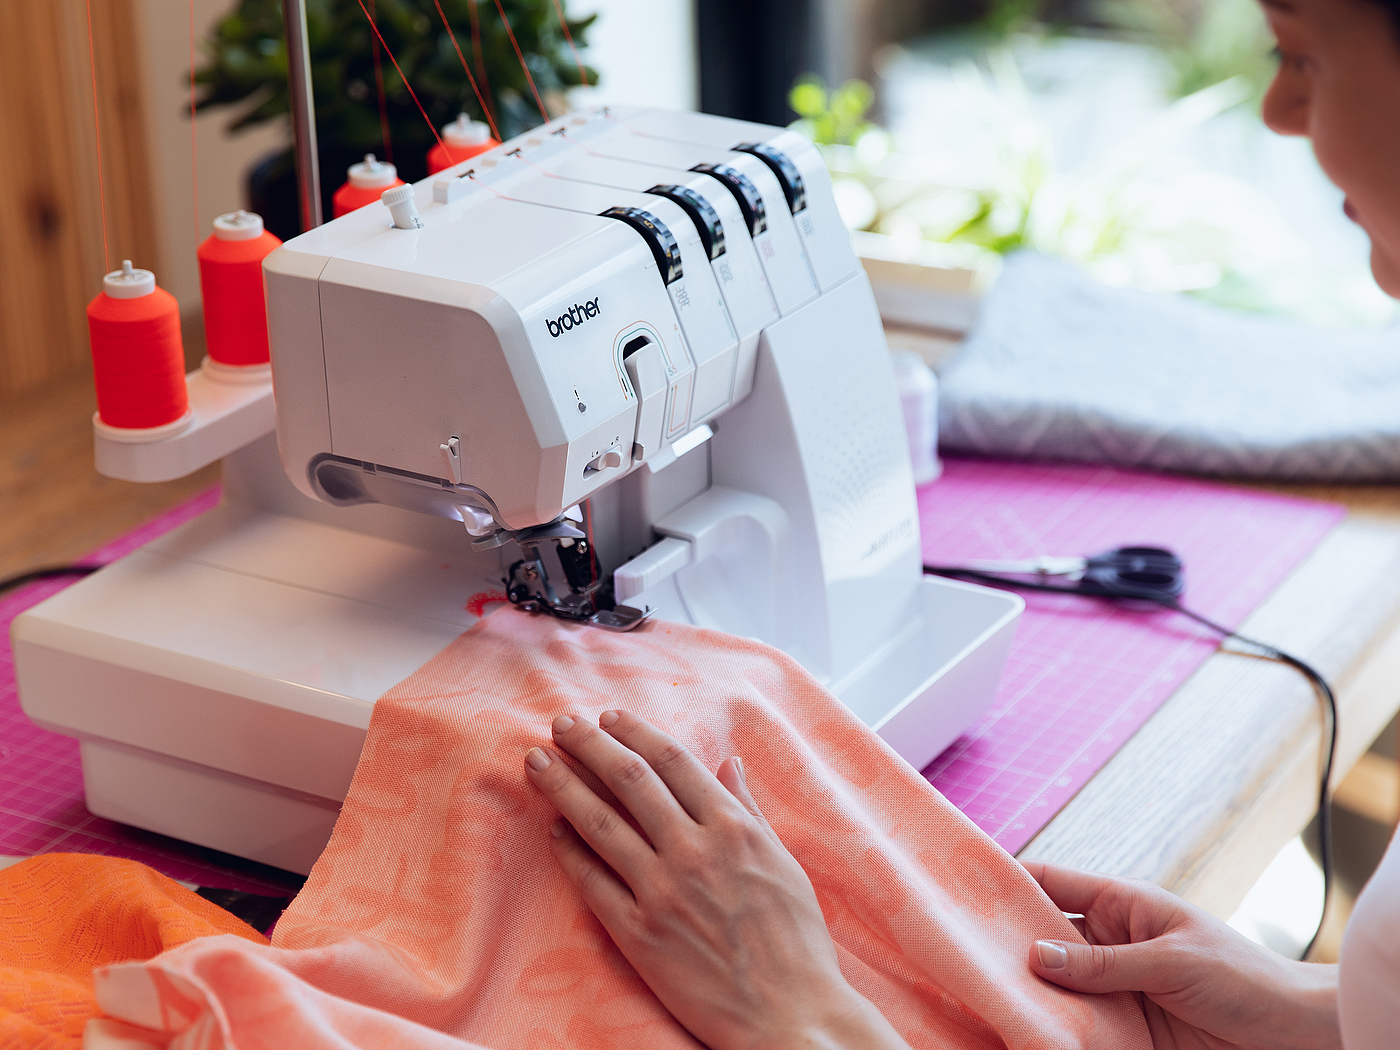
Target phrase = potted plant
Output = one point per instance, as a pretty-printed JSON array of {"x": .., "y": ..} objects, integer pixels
[{"x": 362, "y": 105}]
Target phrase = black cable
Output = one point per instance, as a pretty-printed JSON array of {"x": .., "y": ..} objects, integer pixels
[
  {"x": 45, "y": 574},
  {"x": 1324, "y": 807}
]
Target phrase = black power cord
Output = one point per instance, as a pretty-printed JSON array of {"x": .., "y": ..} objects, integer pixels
[
  {"x": 45, "y": 574},
  {"x": 1324, "y": 806}
]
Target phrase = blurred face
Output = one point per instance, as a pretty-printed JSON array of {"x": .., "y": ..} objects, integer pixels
[{"x": 1338, "y": 83}]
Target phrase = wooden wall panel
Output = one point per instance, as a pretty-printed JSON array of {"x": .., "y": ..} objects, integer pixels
[{"x": 51, "y": 245}]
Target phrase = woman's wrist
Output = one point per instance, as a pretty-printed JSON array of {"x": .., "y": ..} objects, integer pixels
[
  {"x": 847, "y": 1021},
  {"x": 1306, "y": 1017}
]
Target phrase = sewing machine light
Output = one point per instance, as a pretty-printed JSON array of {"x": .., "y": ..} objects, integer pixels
[{"x": 478, "y": 521}]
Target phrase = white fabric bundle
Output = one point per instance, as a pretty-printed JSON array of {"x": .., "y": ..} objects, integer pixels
[{"x": 1059, "y": 366}]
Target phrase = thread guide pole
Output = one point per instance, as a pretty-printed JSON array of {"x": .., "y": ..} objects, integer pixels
[{"x": 303, "y": 109}]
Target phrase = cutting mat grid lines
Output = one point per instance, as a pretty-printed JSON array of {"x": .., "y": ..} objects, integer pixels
[
  {"x": 41, "y": 780},
  {"x": 1081, "y": 678},
  {"x": 1084, "y": 674}
]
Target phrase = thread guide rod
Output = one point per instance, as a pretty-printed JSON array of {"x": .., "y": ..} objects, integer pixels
[{"x": 303, "y": 109}]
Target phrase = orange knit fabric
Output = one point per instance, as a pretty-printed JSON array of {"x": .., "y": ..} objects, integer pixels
[
  {"x": 437, "y": 912},
  {"x": 62, "y": 914}
]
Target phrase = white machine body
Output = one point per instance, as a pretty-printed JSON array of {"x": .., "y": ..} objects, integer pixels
[{"x": 620, "y": 312}]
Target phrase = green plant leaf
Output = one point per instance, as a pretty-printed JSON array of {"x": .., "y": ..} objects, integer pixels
[{"x": 245, "y": 65}]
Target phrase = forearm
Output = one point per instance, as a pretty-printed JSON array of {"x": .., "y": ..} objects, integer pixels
[{"x": 1279, "y": 1005}]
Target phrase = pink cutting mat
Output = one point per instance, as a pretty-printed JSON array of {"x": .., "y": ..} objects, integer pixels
[
  {"x": 41, "y": 782},
  {"x": 1083, "y": 674}
]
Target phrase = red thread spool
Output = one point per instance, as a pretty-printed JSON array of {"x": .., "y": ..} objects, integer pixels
[
  {"x": 230, "y": 275},
  {"x": 463, "y": 139},
  {"x": 367, "y": 180},
  {"x": 138, "y": 359}
]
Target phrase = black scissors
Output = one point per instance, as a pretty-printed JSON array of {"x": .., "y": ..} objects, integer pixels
[{"x": 1149, "y": 573}]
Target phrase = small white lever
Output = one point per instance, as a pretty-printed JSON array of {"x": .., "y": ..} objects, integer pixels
[
  {"x": 452, "y": 459},
  {"x": 605, "y": 461}
]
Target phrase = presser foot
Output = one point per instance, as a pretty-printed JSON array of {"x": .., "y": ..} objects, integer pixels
[{"x": 529, "y": 587}]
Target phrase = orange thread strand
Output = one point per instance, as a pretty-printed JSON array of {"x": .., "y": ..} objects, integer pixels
[
  {"x": 412, "y": 94},
  {"x": 524, "y": 160},
  {"x": 194, "y": 138},
  {"x": 385, "y": 143},
  {"x": 97, "y": 127},
  {"x": 544, "y": 114},
  {"x": 477, "y": 50},
  {"x": 486, "y": 185},
  {"x": 564, "y": 25},
  {"x": 477, "y": 91}
]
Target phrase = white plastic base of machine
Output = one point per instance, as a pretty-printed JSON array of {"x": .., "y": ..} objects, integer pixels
[
  {"x": 206, "y": 807},
  {"x": 225, "y": 414},
  {"x": 222, "y": 678},
  {"x": 969, "y": 631}
]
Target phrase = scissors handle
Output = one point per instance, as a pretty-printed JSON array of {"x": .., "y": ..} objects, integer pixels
[{"x": 1153, "y": 573}]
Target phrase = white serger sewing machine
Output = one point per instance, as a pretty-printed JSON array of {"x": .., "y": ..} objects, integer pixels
[{"x": 657, "y": 313}]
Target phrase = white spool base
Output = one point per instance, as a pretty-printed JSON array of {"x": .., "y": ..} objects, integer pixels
[
  {"x": 224, "y": 417},
  {"x": 141, "y": 435},
  {"x": 240, "y": 374}
]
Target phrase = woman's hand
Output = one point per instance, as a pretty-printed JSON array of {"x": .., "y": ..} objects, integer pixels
[
  {"x": 1203, "y": 984},
  {"x": 713, "y": 912}
]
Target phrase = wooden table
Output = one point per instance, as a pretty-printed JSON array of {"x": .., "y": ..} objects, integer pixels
[
  {"x": 1205, "y": 794},
  {"x": 1201, "y": 799}
]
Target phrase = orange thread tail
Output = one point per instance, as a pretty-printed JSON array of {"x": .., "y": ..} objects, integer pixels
[
  {"x": 544, "y": 114},
  {"x": 564, "y": 25},
  {"x": 477, "y": 52},
  {"x": 386, "y": 144},
  {"x": 477, "y": 603},
  {"x": 412, "y": 94},
  {"x": 97, "y": 127},
  {"x": 477, "y": 91}
]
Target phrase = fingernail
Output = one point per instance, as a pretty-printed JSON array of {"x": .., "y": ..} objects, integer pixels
[
  {"x": 607, "y": 718},
  {"x": 538, "y": 760},
  {"x": 557, "y": 828},
  {"x": 739, "y": 767},
  {"x": 1052, "y": 956},
  {"x": 563, "y": 724}
]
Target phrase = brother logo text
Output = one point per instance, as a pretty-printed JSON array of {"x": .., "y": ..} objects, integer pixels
[{"x": 574, "y": 316}]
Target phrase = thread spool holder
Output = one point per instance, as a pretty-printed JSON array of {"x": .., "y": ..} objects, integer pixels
[{"x": 228, "y": 412}]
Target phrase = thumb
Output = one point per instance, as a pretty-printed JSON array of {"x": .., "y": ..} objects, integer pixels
[
  {"x": 731, "y": 775},
  {"x": 1101, "y": 967}
]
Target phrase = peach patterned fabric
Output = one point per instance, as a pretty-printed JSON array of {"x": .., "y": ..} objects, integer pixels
[{"x": 438, "y": 900}]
